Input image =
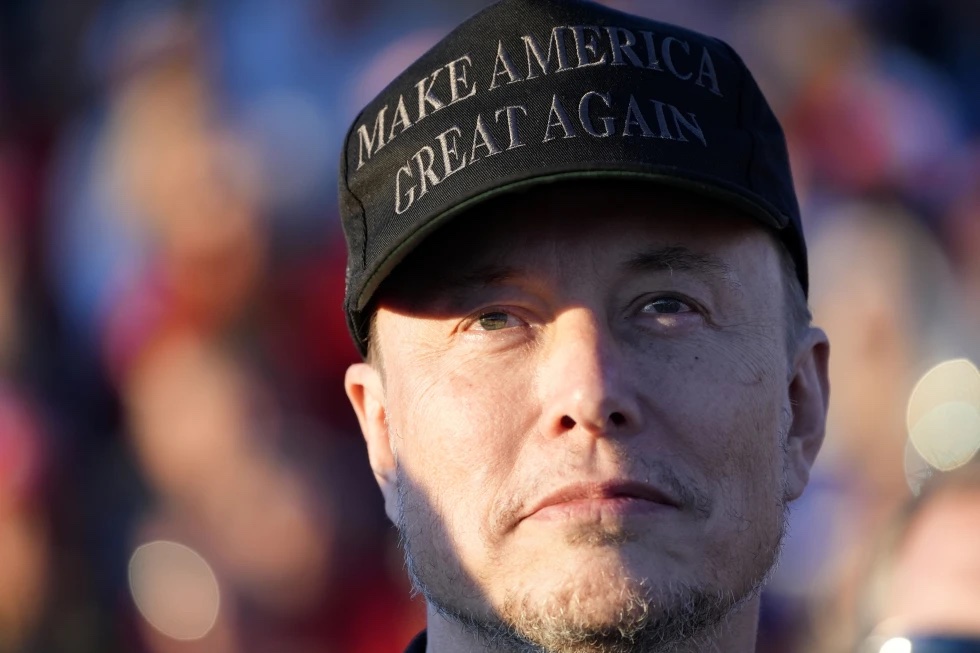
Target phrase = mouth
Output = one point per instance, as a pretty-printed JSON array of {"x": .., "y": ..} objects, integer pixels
[{"x": 598, "y": 500}]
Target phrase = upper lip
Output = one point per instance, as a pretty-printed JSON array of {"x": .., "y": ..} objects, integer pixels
[{"x": 605, "y": 490}]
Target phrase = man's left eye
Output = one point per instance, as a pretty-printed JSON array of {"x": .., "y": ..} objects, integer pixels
[{"x": 667, "y": 306}]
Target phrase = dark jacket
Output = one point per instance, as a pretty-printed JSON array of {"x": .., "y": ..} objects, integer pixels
[{"x": 418, "y": 644}]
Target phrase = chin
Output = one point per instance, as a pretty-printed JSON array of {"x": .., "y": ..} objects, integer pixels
[
  {"x": 597, "y": 589},
  {"x": 583, "y": 599},
  {"x": 589, "y": 602},
  {"x": 597, "y": 611}
]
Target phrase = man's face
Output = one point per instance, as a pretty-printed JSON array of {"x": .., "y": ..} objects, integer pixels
[{"x": 589, "y": 399}]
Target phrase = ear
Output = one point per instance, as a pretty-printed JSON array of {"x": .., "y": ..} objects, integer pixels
[
  {"x": 366, "y": 393},
  {"x": 809, "y": 392}
]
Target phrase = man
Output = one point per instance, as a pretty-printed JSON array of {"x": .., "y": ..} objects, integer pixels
[{"x": 577, "y": 274}]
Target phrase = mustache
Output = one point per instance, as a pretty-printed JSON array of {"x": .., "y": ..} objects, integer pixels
[{"x": 689, "y": 495}]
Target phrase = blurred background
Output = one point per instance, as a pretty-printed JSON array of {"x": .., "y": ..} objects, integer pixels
[{"x": 179, "y": 469}]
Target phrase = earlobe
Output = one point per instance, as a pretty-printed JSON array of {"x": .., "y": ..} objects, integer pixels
[
  {"x": 809, "y": 393},
  {"x": 366, "y": 393}
]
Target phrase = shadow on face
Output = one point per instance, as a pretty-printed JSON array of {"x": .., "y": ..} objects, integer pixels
[
  {"x": 582, "y": 415},
  {"x": 616, "y": 612},
  {"x": 562, "y": 214}
]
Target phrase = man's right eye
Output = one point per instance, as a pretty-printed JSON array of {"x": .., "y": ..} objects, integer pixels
[{"x": 495, "y": 321}]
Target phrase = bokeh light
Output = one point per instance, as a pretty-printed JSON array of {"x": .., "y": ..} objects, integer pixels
[
  {"x": 948, "y": 436},
  {"x": 943, "y": 415},
  {"x": 896, "y": 645},
  {"x": 174, "y": 589}
]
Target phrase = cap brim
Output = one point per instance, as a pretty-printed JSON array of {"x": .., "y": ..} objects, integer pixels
[{"x": 757, "y": 207}]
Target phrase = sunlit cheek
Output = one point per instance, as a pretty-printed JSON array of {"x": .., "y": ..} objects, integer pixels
[{"x": 463, "y": 434}]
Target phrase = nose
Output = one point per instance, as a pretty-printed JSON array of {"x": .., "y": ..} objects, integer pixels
[{"x": 585, "y": 383}]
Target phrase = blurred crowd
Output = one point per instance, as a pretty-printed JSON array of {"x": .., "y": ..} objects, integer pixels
[{"x": 179, "y": 469}]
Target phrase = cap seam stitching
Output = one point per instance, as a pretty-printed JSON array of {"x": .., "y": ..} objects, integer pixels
[{"x": 347, "y": 185}]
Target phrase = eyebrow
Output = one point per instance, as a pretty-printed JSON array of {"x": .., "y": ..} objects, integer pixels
[
  {"x": 486, "y": 275},
  {"x": 459, "y": 286},
  {"x": 679, "y": 258},
  {"x": 426, "y": 288}
]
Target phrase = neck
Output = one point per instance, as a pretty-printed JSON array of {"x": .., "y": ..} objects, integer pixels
[{"x": 736, "y": 634}]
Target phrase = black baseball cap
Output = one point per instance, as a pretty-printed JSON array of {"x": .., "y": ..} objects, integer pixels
[{"x": 530, "y": 92}]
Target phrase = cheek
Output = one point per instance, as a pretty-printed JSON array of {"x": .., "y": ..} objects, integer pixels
[
  {"x": 728, "y": 433},
  {"x": 724, "y": 404},
  {"x": 460, "y": 432}
]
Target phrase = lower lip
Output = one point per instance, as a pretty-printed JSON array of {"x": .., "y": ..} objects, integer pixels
[{"x": 592, "y": 509}]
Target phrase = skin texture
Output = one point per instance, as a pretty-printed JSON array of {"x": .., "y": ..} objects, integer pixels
[{"x": 591, "y": 335}]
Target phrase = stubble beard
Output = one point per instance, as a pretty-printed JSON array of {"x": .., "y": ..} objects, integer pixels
[{"x": 667, "y": 619}]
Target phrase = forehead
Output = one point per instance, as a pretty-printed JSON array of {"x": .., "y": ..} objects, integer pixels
[{"x": 576, "y": 229}]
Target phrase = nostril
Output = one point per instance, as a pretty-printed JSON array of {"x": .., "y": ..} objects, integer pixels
[
  {"x": 567, "y": 422},
  {"x": 618, "y": 419}
]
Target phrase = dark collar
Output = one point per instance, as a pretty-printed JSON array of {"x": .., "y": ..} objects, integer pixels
[{"x": 418, "y": 644}]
